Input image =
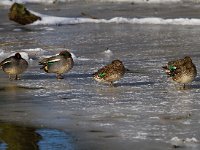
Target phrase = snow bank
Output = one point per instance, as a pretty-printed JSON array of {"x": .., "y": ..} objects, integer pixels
[
  {"x": 10, "y": 2},
  {"x": 51, "y": 20},
  {"x": 143, "y": 1}
]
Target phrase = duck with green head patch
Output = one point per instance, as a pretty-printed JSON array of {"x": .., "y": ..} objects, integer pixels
[
  {"x": 58, "y": 64},
  {"x": 110, "y": 73},
  {"x": 181, "y": 70},
  {"x": 14, "y": 65}
]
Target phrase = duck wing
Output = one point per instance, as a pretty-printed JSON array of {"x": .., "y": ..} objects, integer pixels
[
  {"x": 7, "y": 60},
  {"x": 105, "y": 72},
  {"x": 52, "y": 59}
]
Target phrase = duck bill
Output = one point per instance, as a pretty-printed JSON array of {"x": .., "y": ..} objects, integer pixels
[{"x": 165, "y": 67}]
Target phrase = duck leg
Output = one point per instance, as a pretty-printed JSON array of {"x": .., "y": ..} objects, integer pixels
[
  {"x": 16, "y": 77},
  {"x": 111, "y": 84},
  {"x": 59, "y": 76},
  {"x": 184, "y": 86},
  {"x": 9, "y": 76}
]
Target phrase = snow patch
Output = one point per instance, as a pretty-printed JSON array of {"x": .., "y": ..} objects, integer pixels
[
  {"x": 3, "y": 54},
  {"x": 73, "y": 56},
  {"x": 6, "y": 3},
  {"x": 141, "y": 135},
  {"x": 17, "y": 30},
  {"x": 9, "y": 2},
  {"x": 52, "y": 20},
  {"x": 47, "y": 28},
  {"x": 40, "y": 50},
  {"x": 108, "y": 52},
  {"x": 178, "y": 142},
  {"x": 35, "y": 52}
]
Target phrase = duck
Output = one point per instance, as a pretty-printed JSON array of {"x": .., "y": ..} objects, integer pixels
[
  {"x": 14, "y": 65},
  {"x": 58, "y": 64},
  {"x": 182, "y": 71},
  {"x": 110, "y": 73}
]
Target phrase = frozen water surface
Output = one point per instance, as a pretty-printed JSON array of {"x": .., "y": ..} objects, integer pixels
[{"x": 143, "y": 111}]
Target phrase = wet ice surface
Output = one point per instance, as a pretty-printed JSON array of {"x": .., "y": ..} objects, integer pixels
[{"x": 144, "y": 110}]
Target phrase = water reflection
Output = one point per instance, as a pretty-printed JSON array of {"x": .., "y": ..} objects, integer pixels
[{"x": 20, "y": 137}]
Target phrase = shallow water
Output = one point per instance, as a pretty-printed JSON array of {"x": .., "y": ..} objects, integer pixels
[{"x": 143, "y": 111}]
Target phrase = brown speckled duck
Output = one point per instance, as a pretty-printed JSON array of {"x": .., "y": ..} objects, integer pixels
[
  {"x": 14, "y": 65},
  {"x": 58, "y": 64},
  {"x": 181, "y": 70},
  {"x": 110, "y": 73}
]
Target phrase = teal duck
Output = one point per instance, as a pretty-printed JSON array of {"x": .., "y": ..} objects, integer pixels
[
  {"x": 58, "y": 64},
  {"x": 110, "y": 73},
  {"x": 181, "y": 70},
  {"x": 14, "y": 65}
]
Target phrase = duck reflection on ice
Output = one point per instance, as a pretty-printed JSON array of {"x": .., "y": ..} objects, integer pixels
[{"x": 20, "y": 137}]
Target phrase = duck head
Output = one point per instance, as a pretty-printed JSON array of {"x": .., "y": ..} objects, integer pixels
[
  {"x": 65, "y": 54},
  {"x": 18, "y": 56},
  {"x": 117, "y": 62}
]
